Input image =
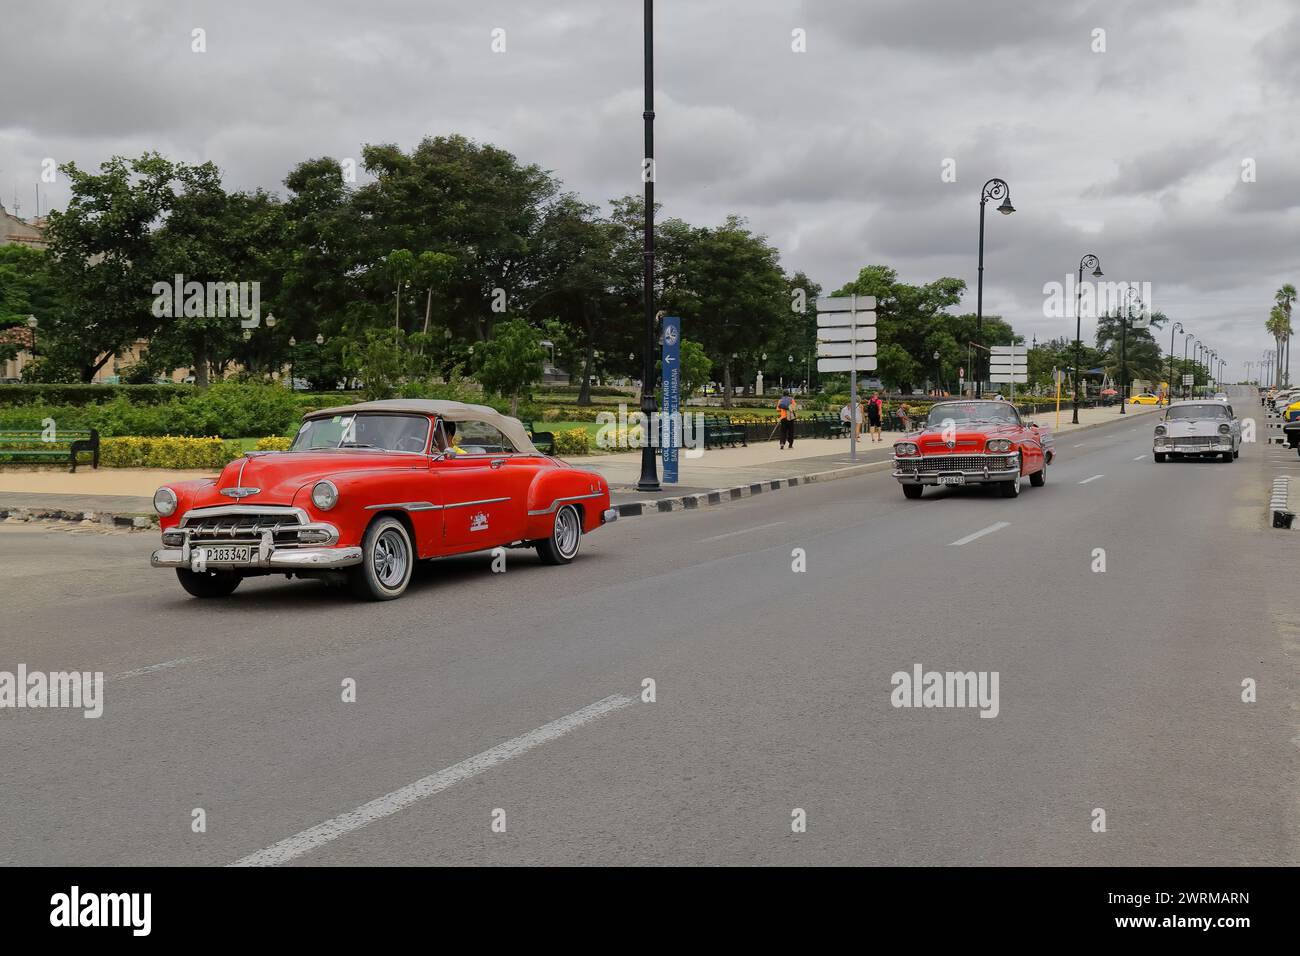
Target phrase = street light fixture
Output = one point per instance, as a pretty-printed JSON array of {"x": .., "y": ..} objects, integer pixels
[
  {"x": 1123, "y": 348},
  {"x": 1186, "y": 342},
  {"x": 320, "y": 362},
  {"x": 1178, "y": 327},
  {"x": 31, "y": 324},
  {"x": 649, "y": 480},
  {"x": 1089, "y": 261},
  {"x": 993, "y": 189}
]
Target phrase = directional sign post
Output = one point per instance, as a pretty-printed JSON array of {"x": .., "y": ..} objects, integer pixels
[
  {"x": 846, "y": 342},
  {"x": 670, "y": 437},
  {"x": 1009, "y": 363}
]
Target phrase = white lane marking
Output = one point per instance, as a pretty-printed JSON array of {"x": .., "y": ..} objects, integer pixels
[
  {"x": 1080, "y": 444},
  {"x": 1093, "y": 478},
  {"x": 730, "y": 534},
  {"x": 1139, "y": 457},
  {"x": 139, "y": 671},
  {"x": 979, "y": 534},
  {"x": 323, "y": 833}
]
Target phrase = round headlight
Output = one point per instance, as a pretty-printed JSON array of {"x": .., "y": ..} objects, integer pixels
[
  {"x": 1160, "y": 429},
  {"x": 324, "y": 495},
  {"x": 998, "y": 445},
  {"x": 905, "y": 448},
  {"x": 164, "y": 501},
  {"x": 1225, "y": 429}
]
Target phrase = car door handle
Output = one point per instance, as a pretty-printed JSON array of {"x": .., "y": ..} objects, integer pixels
[{"x": 498, "y": 462}]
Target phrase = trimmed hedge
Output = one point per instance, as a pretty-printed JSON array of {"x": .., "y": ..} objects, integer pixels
[
  {"x": 223, "y": 409},
  {"x": 274, "y": 443},
  {"x": 167, "y": 452},
  {"x": 575, "y": 441},
  {"x": 80, "y": 394}
]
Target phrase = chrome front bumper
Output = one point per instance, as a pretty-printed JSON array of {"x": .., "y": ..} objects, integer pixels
[
  {"x": 264, "y": 555},
  {"x": 285, "y": 559},
  {"x": 972, "y": 476},
  {"x": 609, "y": 515},
  {"x": 1217, "y": 448}
]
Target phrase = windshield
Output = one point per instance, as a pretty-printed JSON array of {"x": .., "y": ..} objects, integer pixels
[
  {"x": 958, "y": 412},
  {"x": 1196, "y": 411},
  {"x": 408, "y": 433}
]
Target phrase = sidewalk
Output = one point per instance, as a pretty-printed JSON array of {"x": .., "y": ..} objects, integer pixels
[{"x": 719, "y": 474}]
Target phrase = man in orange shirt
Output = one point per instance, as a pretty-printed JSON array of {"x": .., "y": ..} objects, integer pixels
[{"x": 785, "y": 407}]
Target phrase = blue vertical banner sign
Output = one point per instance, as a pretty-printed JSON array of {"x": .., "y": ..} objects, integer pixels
[{"x": 670, "y": 427}]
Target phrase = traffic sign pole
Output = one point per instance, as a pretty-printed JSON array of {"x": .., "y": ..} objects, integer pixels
[{"x": 846, "y": 342}]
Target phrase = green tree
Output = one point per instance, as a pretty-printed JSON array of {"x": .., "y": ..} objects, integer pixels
[
  {"x": 104, "y": 258},
  {"x": 696, "y": 368},
  {"x": 511, "y": 360}
]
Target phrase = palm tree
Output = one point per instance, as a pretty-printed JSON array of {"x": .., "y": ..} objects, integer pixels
[
  {"x": 1276, "y": 320},
  {"x": 1285, "y": 298}
]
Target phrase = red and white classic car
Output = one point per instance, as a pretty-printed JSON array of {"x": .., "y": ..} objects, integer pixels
[
  {"x": 366, "y": 490},
  {"x": 973, "y": 442}
]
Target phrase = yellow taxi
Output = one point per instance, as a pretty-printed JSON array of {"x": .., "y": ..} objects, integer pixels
[{"x": 1146, "y": 398}]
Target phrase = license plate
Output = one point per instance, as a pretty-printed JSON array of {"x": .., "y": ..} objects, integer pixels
[
  {"x": 228, "y": 554},
  {"x": 952, "y": 479}
]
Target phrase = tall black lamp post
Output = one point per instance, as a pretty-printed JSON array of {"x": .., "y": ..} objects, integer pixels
[
  {"x": 649, "y": 480},
  {"x": 993, "y": 189},
  {"x": 1186, "y": 342},
  {"x": 320, "y": 361},
  {"x": 32, "y": 323},
  {"x": 1089, "y": 261},
  {"x": 1123, "y": 350},
  {"x": 1178, "y": 327}
]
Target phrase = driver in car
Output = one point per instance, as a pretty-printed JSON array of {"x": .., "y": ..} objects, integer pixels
[{"x": 445, "y": 438}]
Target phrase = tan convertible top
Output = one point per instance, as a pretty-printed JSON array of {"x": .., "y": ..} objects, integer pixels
[{"x": 512, "y": 428}]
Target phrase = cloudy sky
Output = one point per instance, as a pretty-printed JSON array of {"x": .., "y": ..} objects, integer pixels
[{"x": 837, "y": 152}]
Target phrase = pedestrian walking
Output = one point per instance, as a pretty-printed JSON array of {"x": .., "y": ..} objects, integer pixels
[
  {"x": 875, "y": 412},
  {"x": 905, "y": 416},
  {"x": 786, "y": 407}
]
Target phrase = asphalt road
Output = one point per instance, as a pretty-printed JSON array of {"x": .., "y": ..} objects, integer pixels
[{"x": 1118, "y": 690}]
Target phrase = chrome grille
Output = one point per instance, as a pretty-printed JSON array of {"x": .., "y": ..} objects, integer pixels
[
  {"x": 936, "y": 464},
  {"x": 243, "y": 527},
  {"x": 1196, "y": 439}
]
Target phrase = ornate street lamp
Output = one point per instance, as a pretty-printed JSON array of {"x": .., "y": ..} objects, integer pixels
[
  {"x": 1123, "y": 348},
  {"x": 649, "y": 480},
  {"x": 993, "y": 189},
  {"x": 1178, "y": 327},
  {"x": 1089, "y": 261}
]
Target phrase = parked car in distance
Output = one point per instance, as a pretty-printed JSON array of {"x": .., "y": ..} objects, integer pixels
[
  {"x": 366, "y": 491},
  {"x": 1200, "y": 428},
  {"x": 973, "y": 442}
]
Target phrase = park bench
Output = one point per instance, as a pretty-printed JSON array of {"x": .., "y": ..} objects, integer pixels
[
  {"x": 542, "y": 441},
  {"x": 719, "y": 431},
  {"x": 19, "y": 446}
]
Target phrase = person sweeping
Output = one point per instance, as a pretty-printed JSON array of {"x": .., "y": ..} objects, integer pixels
[{"x": 785, "y": 407}]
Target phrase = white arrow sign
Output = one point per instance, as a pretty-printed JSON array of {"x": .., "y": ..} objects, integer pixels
[
  {"x": 860, "y": 364},
  {"x": 827, "y": 320},
  {"x": 847, "y": 303},
  {"x": 863, "y": 333},
  {"x": 842, "y": 349}
]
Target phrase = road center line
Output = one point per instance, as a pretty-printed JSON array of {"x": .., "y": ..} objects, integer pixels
[
  {"x": 323, "y": 833},
  {"x": 979, "y": 534},
  {"x": 1079, "y": 445},
  {"x": 731, "y": 534},
  {"x": 1093, "y": 478},
  {"x": 139, "y": 671},
  {"x": 1139, "y": 457}
]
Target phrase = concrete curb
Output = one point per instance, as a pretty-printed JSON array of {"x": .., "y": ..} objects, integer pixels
[
  {"x": 718, "y": 496},
  {"x": 1279, "y": 503},
  {"x": 132, "y": 522}
]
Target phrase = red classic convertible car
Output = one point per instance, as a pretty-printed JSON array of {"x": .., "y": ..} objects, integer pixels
[
  {"x": 366, "y": 490},
  {"x": 973, "y": 443}
]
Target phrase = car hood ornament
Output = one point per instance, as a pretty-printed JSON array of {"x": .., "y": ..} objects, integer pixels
[{"x": 239, "y": 492}]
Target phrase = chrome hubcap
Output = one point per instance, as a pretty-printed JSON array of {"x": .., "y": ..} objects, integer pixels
[
  {"x": 566, "y": 532},
  {"x": 390, "y": 558}
]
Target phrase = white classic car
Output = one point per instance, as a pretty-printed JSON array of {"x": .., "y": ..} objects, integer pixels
[{"x": 1198, "y": 428}]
